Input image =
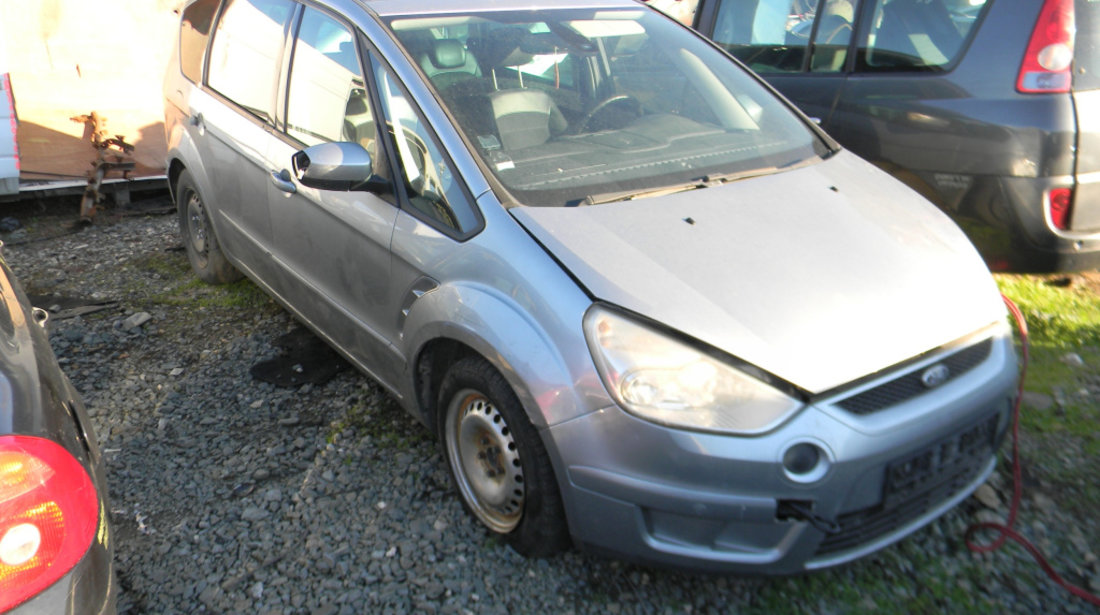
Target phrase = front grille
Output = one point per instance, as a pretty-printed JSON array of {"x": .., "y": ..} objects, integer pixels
[
  {"x": 910, "y": 385},
  {"x": 917, "y": 484}
]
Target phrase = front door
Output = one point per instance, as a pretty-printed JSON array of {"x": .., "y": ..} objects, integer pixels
[{"x": 332, "y": 247}]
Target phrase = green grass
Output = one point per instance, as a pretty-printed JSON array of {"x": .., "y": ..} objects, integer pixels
[
  {"x": 1060, "y": 321},
  {"x": 385, "y": 423},
  {"x": 185, "y": 289},
  {"x": 242, "y": 294}
]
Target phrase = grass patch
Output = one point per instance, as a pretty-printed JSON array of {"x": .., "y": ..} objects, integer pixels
[
  {"x": 193, "y": 292},
  {"x": 886, "y": 583},
  {"x": 167, "y": 265},
  {"x": 1061, "y": 321},
  {"x": 385, "y": 423}
]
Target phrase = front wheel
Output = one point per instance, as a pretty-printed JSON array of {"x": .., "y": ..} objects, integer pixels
[
  {"x": 202, "y": 247},
  {"x": 497, "y": 460}
]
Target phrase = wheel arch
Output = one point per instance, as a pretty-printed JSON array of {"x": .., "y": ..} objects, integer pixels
[
  {"x": 456, "y": 321},
  {"x": 175, "y": 169}
]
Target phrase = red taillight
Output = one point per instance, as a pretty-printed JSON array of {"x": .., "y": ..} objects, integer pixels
[
  {"x": 1049, "y": 57},
  {"x": 48, "y": 515},
  {"x": 1060, "y": 201}
]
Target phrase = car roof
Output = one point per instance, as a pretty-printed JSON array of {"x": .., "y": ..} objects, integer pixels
[{"x": 390, "y": 8}]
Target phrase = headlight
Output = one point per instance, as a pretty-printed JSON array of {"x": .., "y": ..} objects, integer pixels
[{"x": 666, "y": 381}]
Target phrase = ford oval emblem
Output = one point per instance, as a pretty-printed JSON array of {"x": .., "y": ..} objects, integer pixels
[{"x": 935, "y": 376}]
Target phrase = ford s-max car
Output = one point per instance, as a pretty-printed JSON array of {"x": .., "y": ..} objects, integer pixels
[
  {"x": 648, "y": 307},
  {"x": 55, "y": 544}
]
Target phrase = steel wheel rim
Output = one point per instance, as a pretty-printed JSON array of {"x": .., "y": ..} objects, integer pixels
[
  {"x": 196, "y": 224},
  {"x": 486, "y": 461}
]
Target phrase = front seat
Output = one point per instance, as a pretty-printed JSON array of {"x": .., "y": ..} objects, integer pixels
[
  {"x": 446, "y": 63},
  {"x": 525, "y": 118}
]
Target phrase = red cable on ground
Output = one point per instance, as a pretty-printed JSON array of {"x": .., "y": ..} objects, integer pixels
[{"x": 1005, "y": 531}]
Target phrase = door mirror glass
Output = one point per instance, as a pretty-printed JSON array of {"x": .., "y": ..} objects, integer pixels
[{"x": 333, "y": 166}]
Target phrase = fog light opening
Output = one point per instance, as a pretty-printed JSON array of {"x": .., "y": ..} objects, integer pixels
[{"x": 805, "y": 462}]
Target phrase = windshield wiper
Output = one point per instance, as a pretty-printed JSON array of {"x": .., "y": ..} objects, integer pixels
[{"x": 706, "y": 181}]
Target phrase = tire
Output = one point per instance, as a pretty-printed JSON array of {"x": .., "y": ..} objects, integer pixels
[
  {"x": 203, "y": 251},
  {"x": 498, "y": 462}
]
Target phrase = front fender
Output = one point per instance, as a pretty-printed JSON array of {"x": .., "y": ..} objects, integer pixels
[{"x": 547, "y": 365}]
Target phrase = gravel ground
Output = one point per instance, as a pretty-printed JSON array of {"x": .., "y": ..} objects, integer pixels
[{"x": 232, "y": 495}]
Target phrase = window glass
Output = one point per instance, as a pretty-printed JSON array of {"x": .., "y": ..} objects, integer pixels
[
  {"x": 646, "y": 106},
  {"x": 327, "y": 100},
  {"x": 194, "y": 33},
  {"x": 1086, "y": 69},
  {"x": 432, "y": 188},
  {"x": 918, "y": 35},
  {"x": 246, "y": 53},
  {"x": 767, "y": 35},
  {"x": 833, "y": 33}
]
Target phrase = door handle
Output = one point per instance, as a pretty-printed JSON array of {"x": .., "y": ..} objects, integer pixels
[
  {"x": 282, "y": 181},
  {"x": 197, "y": 122}
]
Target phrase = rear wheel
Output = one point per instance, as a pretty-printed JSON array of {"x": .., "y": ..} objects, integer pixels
[
  {"x": 497, "y": 460},
  {"x": 202, "y": 247}
]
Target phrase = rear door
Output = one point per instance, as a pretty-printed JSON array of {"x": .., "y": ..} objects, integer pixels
[
  {"x": 1086, "y": 99},
  {"x": 232, "y": 121}
]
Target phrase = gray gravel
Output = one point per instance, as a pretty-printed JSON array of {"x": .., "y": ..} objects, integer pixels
[{"x": 232, "y": 495}]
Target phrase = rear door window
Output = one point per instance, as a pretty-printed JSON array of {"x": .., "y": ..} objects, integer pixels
[
  {"x": 247, "y": 52},
  {"x": 918, "y": 35}
]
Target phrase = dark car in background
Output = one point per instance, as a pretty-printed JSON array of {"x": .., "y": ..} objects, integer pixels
[
  {"x": 989, "y": 108},
  {"x": 55, "y": 545}
]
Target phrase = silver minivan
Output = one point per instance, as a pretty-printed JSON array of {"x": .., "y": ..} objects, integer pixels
[{"x": 647, "y": 306}]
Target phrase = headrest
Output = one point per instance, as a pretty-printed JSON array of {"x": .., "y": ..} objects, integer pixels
[
  {"x": 448, "y": 53},
  {"x": 357, "y": 105}
]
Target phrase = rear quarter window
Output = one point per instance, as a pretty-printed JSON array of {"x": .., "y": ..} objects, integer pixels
[
  {"x": 1086, "y": 74},
  {"x": 918, "y": 35},
  {"x": 194, "y": 33}
]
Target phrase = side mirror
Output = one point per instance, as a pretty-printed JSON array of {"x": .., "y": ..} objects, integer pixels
[{"x": 333, "y": 166}]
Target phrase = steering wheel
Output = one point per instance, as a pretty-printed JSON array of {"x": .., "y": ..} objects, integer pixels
[{"x": 616, "y": 100}]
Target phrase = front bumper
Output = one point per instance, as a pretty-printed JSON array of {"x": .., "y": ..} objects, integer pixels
[{"x": 670, "y": 497}]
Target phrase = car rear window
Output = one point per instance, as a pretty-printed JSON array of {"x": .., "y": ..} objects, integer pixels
[{"x": 1087, "y": 52}]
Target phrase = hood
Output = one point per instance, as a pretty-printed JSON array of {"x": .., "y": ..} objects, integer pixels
[{"x": 819, "y": 275}]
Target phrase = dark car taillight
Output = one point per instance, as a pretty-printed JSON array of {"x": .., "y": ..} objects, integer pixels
[
  {"x": 1049, "y": 57},
  {"x": 1059, "y": 202},
  {"x": 48, "y": 515}
]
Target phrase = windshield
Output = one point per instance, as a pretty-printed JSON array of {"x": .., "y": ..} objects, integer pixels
[{"x": 565, "y": 106}]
